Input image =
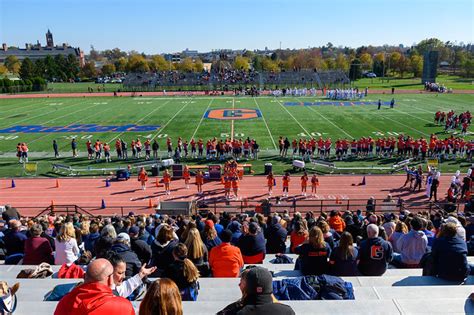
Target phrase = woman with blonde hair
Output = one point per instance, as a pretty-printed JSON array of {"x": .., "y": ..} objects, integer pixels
[
  {"x": 184, "y": 273},
  {"x": 326, "y": 229},
  {"x": 400, "y": 229},
  {"x": 197, "y": 251},
  {"x": 162, "y": 298},
  {"x": 313, "y": 254},
  {"x": 66, "y": 247}
]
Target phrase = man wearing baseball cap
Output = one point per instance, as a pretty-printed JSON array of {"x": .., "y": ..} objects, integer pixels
[{"x": 257, "y": 295}]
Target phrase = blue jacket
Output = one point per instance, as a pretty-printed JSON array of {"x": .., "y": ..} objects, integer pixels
[
  {"x": 276, "y": 238},
  {"x": 89, "y": 241},
  {"x": 251, "y": 245},
  {"x": 374, "y": 256},
  {"x": 450, "y": 258},
  {"x": 344, "y": 267}
]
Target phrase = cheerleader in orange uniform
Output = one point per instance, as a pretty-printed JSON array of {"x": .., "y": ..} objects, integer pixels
[
  {"x": 199, "y": 182},
  {"x": 286, "y": 184},
  {"x": 270, "y": 183},
  {"x": 304, "y": 183},
  {"x": 314, "y": 185},
  {"x": 186, "y": 176},
  {"x": 235, "y": 186},
  {"x": 227, "y": 186},
  {"x": 143, "y": 178},
  {"x": 166, "y": 181}
]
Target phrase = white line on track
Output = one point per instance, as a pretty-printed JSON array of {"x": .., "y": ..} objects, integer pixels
[
  {"x": 266, "y": 125},
  {"x": 202, "y": 118}
]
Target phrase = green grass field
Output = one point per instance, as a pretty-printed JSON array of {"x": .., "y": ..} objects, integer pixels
[
  {"x": 454, "y": 82},
  {"x": 413, "y": 115}
]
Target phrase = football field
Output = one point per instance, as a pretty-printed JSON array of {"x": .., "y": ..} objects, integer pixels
[{"x": 39, "y": 121}]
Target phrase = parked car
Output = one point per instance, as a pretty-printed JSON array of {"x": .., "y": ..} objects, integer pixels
[{"x": 370, "y": 75}]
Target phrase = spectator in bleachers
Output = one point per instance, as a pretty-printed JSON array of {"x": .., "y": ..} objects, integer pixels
[
  {"x": 461, "y": 231},
  {"x": 183, "y": 272},
  {"x": 44, "y": 224},
  {"x": 65, "y": 243},
  {"x": 374, "y": 253},
  {"x": 343, "y": 259},
  {"x": 314, "y": 254},
  {"x": 353, "y": 226},
  {"x": 298, "y": 236},
  {"x": 226, "y": 259},
  {"x": 10, "y": 213},
  {"x": 449, "y": 254},
  {"x": 400, "y": 230},
  {"x": 37, "y": 248},
  {"x": 470, "y": 227},
  {"x": 140, "y": 247},
  {"x": 236, "y": 228},
  {"x": 91, "y": 238},
  {"x": 162, "y": 298},
  {"x": 121, "y": 286},
  {"x": 336, "y": 222},
  {"x": 95, "y": 295},
  {"x": 162, "y": 248},
  {"x": 275, "y": 235},
  {"x": 257, "y": 296},
  {"x": 14, "y": 238},
  {"x": 252, "y": 244},
  {"x": 428, "y": 230},
  {"x": 197, "y": 251},
  {"x": 328, "y": 235},
  {"x": 122, "y": 248},
  {"x": 389, "y": 224},
  {"x": 210, "y": 237},
  {"x": 412, "y": 246}
]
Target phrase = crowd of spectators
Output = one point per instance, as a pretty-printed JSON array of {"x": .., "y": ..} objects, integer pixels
[{"x": 122, "y": 252}]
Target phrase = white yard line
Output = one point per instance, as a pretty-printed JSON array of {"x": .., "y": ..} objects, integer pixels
[
  {"x": 307, "y": 132},
  {"x": 202, "y": 118},
  {"x": 400, "y": 111},
  {"x": 266, "y": 125},
  {"x": 141, "y": 119},
  {"x": 322, "y": 116},
  {"x": 73, "y": 123},
  {"x": 171, "y": 119},
  {"x": 399, "y": 123}
]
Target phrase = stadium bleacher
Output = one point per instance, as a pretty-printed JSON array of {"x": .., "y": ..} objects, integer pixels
[{"x": 399, "y": 291}]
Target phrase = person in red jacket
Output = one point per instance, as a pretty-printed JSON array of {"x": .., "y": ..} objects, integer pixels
[
  {"x": 225, "y": 259},
  {"x": 95, "y": 296}
]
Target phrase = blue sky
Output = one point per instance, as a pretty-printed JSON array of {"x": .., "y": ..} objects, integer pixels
[{"x": 157, "y": 26}]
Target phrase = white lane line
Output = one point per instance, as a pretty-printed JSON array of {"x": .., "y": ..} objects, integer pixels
[
  {"x": 266, "y": 125},
  {"x": 202, "y": 118},
  {"x": 322, "y": 116},
  {"x": 307, "y": 132},
  {"x": 171, "y": 119},
  {"x": 138, "y": 121}
]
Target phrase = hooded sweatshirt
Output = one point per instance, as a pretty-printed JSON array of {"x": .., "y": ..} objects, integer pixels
[
  {"x": 412, "y": 247},
  {"x": 374, "y": 256},
  {"x": 93, "y": 299}
]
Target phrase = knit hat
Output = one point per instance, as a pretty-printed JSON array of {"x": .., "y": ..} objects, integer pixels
[
  {"x": 134, "y": 230},
  {"x": 259, "y": 281}
]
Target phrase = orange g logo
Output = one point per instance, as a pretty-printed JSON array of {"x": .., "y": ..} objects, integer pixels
[{"x": 232, "y": 113}]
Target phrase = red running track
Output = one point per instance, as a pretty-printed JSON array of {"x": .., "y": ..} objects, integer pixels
[{"x": 86, "y": 192}]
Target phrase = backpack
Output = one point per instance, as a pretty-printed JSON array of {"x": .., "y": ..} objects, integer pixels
[
  {"x": 190, "y": 293},
  {"x": 59, "y": 291}
]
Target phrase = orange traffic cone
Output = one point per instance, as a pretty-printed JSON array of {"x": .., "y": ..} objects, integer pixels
[
  {"x": 337, "y": 200},
  {"x": 150, "y": 204},
  {"x": 57, "y": 183}
]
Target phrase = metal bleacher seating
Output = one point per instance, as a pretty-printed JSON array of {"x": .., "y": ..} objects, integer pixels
[{"x": 398, "y": 291}]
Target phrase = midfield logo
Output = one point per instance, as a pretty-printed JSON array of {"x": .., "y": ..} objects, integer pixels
[{"x": 232, "y": 114}]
